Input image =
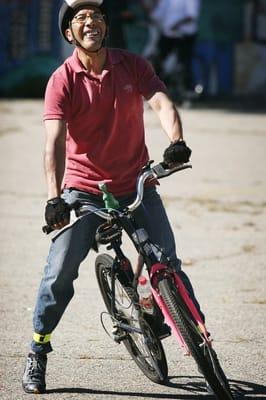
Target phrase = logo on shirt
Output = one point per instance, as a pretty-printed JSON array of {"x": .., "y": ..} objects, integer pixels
[{"x": 128, "y": 88}]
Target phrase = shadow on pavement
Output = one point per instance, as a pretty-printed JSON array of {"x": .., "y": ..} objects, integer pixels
[
  {"x": 247, "y": 390},
  {"x": 196, "y": 390}
]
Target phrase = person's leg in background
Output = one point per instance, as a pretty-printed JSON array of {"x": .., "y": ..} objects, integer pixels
[
  {"x": 165, "y": 46},
  {"x": 204, "y": 62},
  {"x": 225, "y": 69},
  {"x": 185, "y": 52}
]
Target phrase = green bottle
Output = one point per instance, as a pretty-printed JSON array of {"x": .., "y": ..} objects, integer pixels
[{"x": 109, "y": 200}]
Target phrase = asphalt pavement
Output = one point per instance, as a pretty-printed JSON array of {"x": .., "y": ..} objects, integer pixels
[{"x": 218, "y": 213}]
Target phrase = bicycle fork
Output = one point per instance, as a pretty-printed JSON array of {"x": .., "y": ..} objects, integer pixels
[{"x": 157, "y": 272}]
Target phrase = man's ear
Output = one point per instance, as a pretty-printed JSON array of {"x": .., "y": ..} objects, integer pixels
[{"x": 69, "y": 35}]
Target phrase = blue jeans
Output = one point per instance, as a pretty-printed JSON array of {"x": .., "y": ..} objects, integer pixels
[{"x": 69, "y": 248}]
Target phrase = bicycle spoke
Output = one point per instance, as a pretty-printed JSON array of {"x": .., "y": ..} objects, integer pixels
[{"x": 138, "y": 338}]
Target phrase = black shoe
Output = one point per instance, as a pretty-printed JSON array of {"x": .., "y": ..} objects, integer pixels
[
  {"x": 33, "y": 380},
  {"x": 158, "y": 326},
  {"x": 163, "y": 331}
]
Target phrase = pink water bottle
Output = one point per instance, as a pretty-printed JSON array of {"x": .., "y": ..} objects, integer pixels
[{"x": 145, "y": 294}]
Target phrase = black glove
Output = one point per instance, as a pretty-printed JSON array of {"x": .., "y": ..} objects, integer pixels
[
  {"x": 57, "y": 211},
  {"x": 177, "y": 153}
]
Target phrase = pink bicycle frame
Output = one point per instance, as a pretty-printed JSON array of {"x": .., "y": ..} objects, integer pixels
[{"x": 157, "y": 271}]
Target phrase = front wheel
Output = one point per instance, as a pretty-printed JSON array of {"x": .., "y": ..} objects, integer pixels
[
  {"x": 201, "y": 350},
  {"x": 145, "y": 348}
]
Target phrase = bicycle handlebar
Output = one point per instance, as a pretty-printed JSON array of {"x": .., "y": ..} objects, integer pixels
[{"x": 159, "y": 171}]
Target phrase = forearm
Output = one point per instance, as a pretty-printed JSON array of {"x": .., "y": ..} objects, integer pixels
[
  {"x": 171, "y": 122},
  {"x": 168, "y": 115},
  {"x": 54, "y": 167},
  {"x": 54, "y": 159}
]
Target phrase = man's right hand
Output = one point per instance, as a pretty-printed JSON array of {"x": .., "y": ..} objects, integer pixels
[{"x": 57, "y": 213}]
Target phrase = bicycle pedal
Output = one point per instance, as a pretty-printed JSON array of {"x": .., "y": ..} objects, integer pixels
[
  {"x": 119, "y": 338},
  {"x": 118, "y": 335}
]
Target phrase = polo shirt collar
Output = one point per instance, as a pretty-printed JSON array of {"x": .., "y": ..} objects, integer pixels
[{"x": 112, "y": 57}]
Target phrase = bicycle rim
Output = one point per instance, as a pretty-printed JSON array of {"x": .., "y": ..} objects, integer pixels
[
  {"x": 201, "y": 351},
  {"x": 145, "y": 349}
]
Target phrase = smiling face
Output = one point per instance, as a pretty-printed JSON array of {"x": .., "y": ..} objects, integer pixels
[{"x": 88, "y": 28}]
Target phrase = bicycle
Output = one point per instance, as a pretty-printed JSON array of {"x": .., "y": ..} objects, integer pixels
[{"x": 118, "y": 284}]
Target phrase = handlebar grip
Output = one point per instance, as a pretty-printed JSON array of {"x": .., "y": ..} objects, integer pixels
[{"x": 74, "y": 206}]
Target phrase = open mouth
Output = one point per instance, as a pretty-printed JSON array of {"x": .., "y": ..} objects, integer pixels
[{"x": 92, "y": 34}]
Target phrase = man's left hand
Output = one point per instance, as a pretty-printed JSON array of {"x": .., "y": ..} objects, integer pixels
[{"x": 177, "y": 153}]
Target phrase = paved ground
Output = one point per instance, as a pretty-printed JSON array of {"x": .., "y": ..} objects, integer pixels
[{"x": 218, "y": 212}]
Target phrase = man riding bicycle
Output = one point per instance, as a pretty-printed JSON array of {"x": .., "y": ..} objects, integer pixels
[{"x": 93, "y": 117}]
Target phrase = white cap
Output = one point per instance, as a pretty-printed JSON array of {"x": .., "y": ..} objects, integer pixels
[{"x": 76, "y": 3}]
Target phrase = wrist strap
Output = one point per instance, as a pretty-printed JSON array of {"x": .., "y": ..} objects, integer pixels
[{"x": 178, "y": 141}]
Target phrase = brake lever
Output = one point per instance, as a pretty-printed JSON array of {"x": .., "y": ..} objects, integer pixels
[{"x": 161, "y": 171}]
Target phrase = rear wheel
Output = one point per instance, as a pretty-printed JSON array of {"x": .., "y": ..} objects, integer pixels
[
  {"x": 145, "y": 348},
  {"x": 201, "y": 351}
]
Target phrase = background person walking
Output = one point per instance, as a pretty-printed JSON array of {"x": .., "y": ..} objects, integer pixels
[{"x": 178, "y": 24}]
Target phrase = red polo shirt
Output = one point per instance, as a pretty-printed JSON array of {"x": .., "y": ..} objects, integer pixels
[{"x": 104, "y": 115}]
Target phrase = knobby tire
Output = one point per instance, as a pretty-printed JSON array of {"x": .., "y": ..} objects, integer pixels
[{"x": 204, "y": 355}]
